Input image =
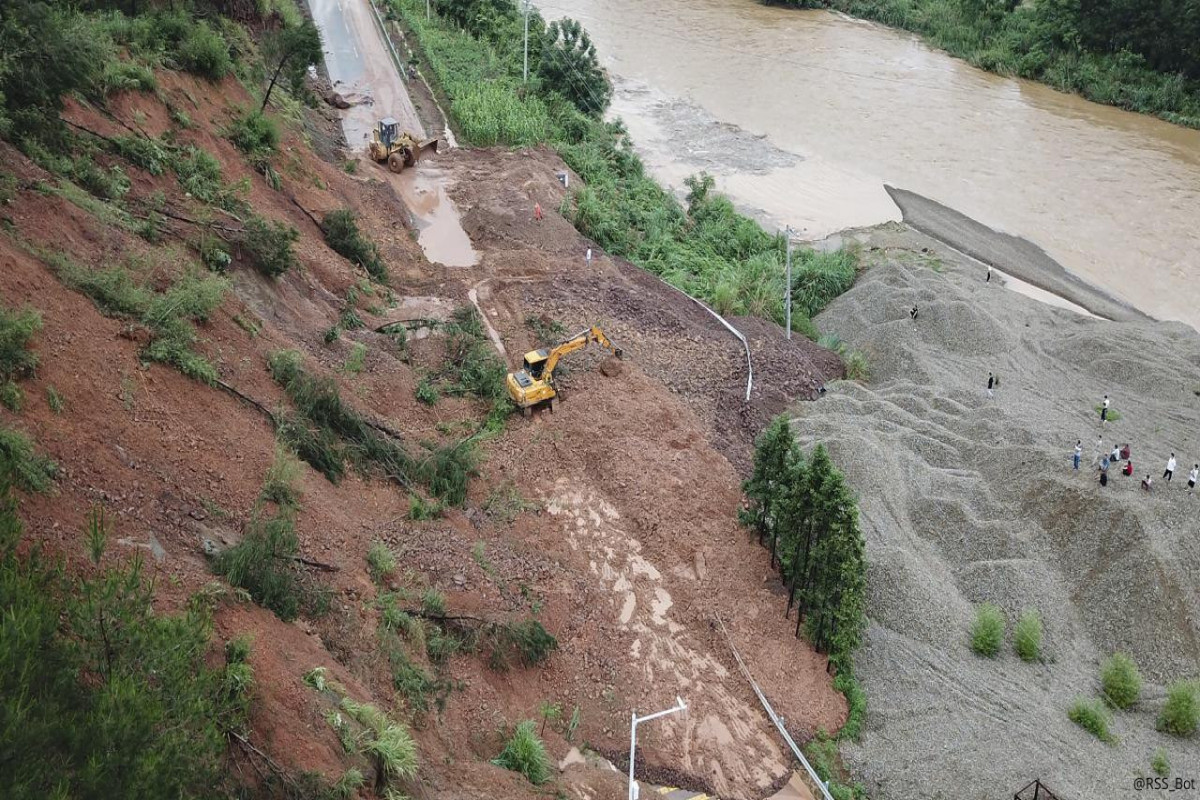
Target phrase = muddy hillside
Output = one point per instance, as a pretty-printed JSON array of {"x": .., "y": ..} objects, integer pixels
[{"x": 610, "y": 525}]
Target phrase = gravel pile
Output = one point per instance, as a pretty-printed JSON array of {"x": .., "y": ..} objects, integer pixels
[{"x": 967, "y": 499}]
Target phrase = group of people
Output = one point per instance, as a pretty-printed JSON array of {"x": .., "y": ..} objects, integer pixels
[{"x": 1105, "y": 459}]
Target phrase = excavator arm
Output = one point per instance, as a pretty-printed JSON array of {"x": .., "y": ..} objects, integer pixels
[{"x": 576, "y": 342}]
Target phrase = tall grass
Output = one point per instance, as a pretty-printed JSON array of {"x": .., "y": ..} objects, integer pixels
[{"x": 525, "y": 753}]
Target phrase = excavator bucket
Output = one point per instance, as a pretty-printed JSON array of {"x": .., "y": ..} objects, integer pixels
[{"x": 427, "y": 146}]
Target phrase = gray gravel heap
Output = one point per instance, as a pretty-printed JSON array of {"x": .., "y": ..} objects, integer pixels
[{"x": 966, "y": 499}]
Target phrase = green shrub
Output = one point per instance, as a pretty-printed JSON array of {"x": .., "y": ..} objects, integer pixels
[
  {"x": 55, "y": 400},
  {"x": 280, "y": 484},
  {"x": 268, "y": 245},
  {"x": 425, "y": 392},
  {"x": 11, "y": 397},
  {"x": 199, "y": 174},
  {"x": 433, "y": 603},
  {"x": 395, "y": 752},
  {"x": 262, "y": 564},
  {"x": 1160, "y": 763},
  {"x": 356, "y": 359},
  {"x": 100, "y": 696},
  {"x": 857, "y": 367},
  {"x": 204, "y": 52},
  {"x": 1027, "y": 636},
  {"x": 17, "y": 329},
  {"x": 22, "y": 466},
  {"x": 1092, "y": 716},
  {"x": 127, "y": 76},
  {"x": 1120, "y": 681},
  {"x": 255, "y": 134},
  {"x": 1181, "y": 713},
  {"x": 987, "y": 634},
  {"x": 447, "y": 471},
  {"x": 380, "y": 560},
  {"x": 148, "y": 154},
  {"x": 109, "y": 184},
  {"x": 525, "y": 753},
  {"x": 343, "y": 237}
]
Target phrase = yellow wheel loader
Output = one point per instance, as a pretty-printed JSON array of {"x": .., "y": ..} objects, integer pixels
[
  {"x": 534, "y": 382},
  {"x": 399, "y": 150}
]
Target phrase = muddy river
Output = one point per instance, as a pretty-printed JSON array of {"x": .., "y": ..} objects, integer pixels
[{"x": 803, "y": 116}]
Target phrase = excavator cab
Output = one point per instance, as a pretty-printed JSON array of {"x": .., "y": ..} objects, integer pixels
[
  {"x": 535, "y": 362},
  {"x": 534, "y": 382}
]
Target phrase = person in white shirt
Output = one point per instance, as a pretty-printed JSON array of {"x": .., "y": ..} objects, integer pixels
[
  {"x": 1193, "y": 477},
  {"x": 1078, "y": 452},
  {"x": 1116, "y": 454},
  {"x": 1104, "y": 410},
  {"x": 1170, "y": 470}
]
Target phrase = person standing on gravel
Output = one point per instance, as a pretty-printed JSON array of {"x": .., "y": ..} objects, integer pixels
[
  {"x": 588, "y": 257},
  {"x": 1193, "y": 476},
  {"x": 1078, "y": 453},
  {"x": 537, "y": 212},
  {"x": 991, "y": 383},
  {"x": 1170, "y": 470},
  {"x": 1104, "y": 410}
]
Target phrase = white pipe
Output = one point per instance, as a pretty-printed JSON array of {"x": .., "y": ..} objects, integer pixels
[{"x": 787, "y": 737}]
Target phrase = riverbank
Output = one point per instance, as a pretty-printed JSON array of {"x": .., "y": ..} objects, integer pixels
[{"x": 1044, "y": 42}]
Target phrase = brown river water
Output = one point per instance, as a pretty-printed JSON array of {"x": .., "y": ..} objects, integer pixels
[{"x": 803, "y": 116}]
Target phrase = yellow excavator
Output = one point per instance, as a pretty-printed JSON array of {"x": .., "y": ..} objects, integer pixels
[
  {"x": 534, "y": 383},
  {"x": 398, "y": 149}
]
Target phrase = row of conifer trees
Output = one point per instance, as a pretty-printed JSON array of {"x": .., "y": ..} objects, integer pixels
[{"x": 808, "y": 517}]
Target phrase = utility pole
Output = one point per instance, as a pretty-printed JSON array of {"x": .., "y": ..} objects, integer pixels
[
  {"x": 787, "y": 288},
  {"x": 526, "y": 80},
  {"x": 427, "y": 10}
]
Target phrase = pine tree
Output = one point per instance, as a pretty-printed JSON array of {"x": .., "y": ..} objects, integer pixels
[{"x": 775, "y": 452}]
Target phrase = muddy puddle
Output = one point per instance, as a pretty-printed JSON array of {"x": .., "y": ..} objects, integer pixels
[{"x": 439, "y": 228}]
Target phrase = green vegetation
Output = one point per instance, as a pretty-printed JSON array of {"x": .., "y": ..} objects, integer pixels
[
  {"x": 21, "y": 466},
  {"x": 344, "y": 238},
  {"x": 504, "y": 503},
  {"x": 54, "y": 49},
  {"x": 1181, "y": 713},
  {"x": 356, "y": 360},
  {"x": 1113, "y": 414},
  {"x": 264, "y": 561},
  {"x": 525, "y": 753},
  {"x": 1027, "y": 636},
  {"x": 1160, "y": 763},
  {"x": 55, "y": 400},
  {"x": 822, "y": 753},
  {"x": 17, "y": 361},
  {"x": 381, "y": 561},
  {"x": 1093, "y": 717},
  {"x": 810, "y": 516},
  {"x": 288, "y": 52},
  {"x": 425, "y": 392},
  {"x": 99, "y": 696},
  {"x": 1120, "y": 681},
  {"x": 987, "y": 632},
  {"x": 168, "y": 315},
  {"x": 707, "y": 249},
  {"x": 268, "y": 245},
  {"x": 388, "y": 744},
  {"x": 255, "y": 134},
  {"x": 1138, "y": 56},
  {"x": 327, "y": 433}
]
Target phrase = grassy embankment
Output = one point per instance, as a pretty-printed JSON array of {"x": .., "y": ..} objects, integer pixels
[
  {"x": 708, "y": 250},
  {"x": 1102, "y": 56}
]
